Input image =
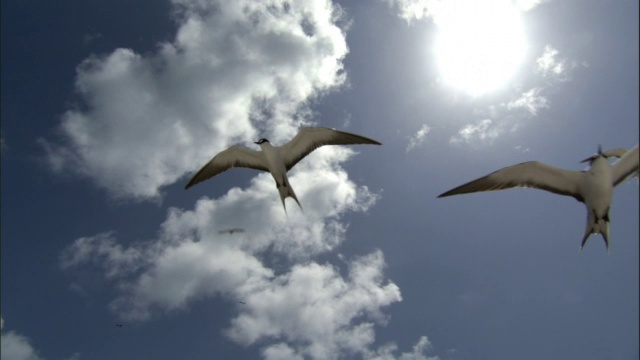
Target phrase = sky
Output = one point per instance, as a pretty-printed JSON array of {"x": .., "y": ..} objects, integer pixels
[{"x": 108, "y": 109}]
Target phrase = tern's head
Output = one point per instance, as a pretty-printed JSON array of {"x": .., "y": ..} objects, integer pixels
[{"x": 262, "y": 141}]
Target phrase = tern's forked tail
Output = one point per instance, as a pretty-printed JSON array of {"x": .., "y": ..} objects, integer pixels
[
  {"x": 285, "y": 190},
  {"x": 597, "y": 225}
]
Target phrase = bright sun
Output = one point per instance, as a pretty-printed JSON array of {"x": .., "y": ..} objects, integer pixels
[{"x": 480, "y": 44}]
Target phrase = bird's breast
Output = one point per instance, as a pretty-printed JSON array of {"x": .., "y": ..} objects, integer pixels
[{"x": 598, "y": 186}]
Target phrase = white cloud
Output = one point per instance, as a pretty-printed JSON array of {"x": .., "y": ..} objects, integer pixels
[
  {"x": 482, "y": 131},
  {"x": 14, "y": 346},
  {"x": 280, "y": 351},
  {"x": 418, "y": 138},
  {"x": 102, "y": 249},
  {"x": 502, "y": 118},
  {"x": 386, "y": 352},
  {"x": 235, "y": 69},
  {"x": 411, "y": 10},
  {"x": 293, "y": 307},
  {"x": 190, "y": 258},
  {"x": 549, "y": 65},
  {"x": 531, "y": 101},
  {"x": 91, "y": 37},
  {"x": 319, "y": 313},
  {"x": 526, "y": 5}
]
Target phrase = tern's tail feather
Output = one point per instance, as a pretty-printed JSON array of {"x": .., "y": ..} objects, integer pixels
[
  {"x": 285, "y": 191},
  {"x": 597, "y": 226}
]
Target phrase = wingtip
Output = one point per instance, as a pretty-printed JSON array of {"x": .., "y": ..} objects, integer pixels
[
  {"x": 190, "y": 183},
  {"x": 606, "y": 242}
]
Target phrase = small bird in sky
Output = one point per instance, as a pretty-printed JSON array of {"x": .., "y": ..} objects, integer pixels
[
  {"x": 242, "y": 302},
  {"x": 593, "y": 187},
  {"x": 277, "y": 159},
  {"x": 231, "y": 231},
  {"x": 119, "y": 325}
]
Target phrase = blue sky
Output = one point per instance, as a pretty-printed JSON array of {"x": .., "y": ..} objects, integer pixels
[{"x": 109, "y": 107}]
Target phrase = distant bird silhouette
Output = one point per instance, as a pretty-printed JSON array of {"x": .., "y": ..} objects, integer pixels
[
  {"x": 231, "y": 231},
  {"x": 241, "y": 302},
  {"x": 119, "y": 325},
  {"x": 593, "y": 187},
  {"x": 277, "y": 160}
]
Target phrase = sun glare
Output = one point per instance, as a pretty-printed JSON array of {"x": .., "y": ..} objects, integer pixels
[{"x": 479, "y": 45}]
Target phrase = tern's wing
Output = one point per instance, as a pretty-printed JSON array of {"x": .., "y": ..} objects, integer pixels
[
  {"x": 531, "y": 174},
  {"x": 234, "y": 156},
  {"x": 615, "y": 152},
  {"x": 624, "y": 167},
  {"x": 309, "y": 139}
]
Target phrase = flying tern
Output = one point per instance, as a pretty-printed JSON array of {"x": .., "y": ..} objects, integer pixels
[
  {"x": 277, "y": 159},
  {"x": 593, "y": 187},
  {"x": 231, "y": 231}
]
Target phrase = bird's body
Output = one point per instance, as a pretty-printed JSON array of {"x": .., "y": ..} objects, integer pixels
[
  {"x": 231, "y": 231},
  {"x": 597, "y": 192},
  {"x": 593, "y": 187},
  {"x": 277, "y": 167},
  {"x": 277, "y": 159}
]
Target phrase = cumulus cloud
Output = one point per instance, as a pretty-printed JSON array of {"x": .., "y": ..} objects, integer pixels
[
  {"x": 550, "y": 65},
  {"x": 552, "y": 69},
  {"x": 91, "y": 37},
  {"x": 15, "y": 346},
  {"x": 302, "y": 310},
  {"x": 190, "y": 257},
  {"x": 482, "y": 131},
  {"x": 503, "y": 118},
  {"x": 280, "y": 351},
  {"x": 235, "y": 69},
  {"x": 293, "y": 307},
  {"x": 526, "y": 5},
  {"x": 418, "y": 353},
  {"x": 530, "y": 101},
  {"x": 418, "y": 138},
  {"x": 318, "y": 312},
  {"x": 411, "y": 10}
]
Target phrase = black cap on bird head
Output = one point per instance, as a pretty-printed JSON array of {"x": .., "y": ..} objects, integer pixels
[
  {"x": 263, "y": 140},
  {"x": 593, "y": 157}
]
